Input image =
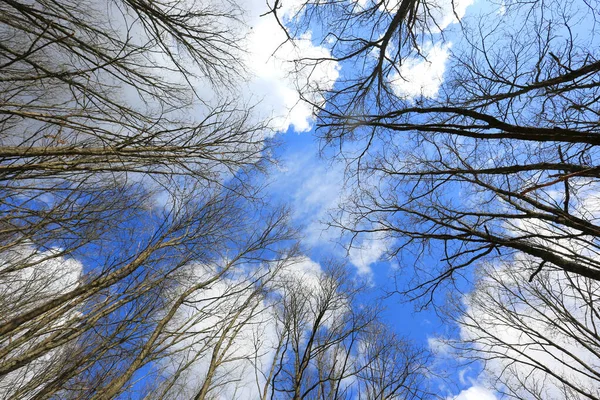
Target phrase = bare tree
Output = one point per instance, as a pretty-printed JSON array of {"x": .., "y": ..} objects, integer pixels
[
  {"x": 134, "y": 243},
  {"x": 289, "y": 330},
  {"x": 536, "y": 340},
  {"x": 494, "y": 168},
  {"x": 117, "y": 174},
  {"x": 390, "y": 367},
  {"x": 330, "y": 346},
  {"x": 218, "y": 333},
  {"x": 510, "y": 134},
  {"x": 117, "y": 314}
]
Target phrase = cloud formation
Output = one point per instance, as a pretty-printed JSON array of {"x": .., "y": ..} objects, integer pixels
[
  {"x": 422, "y": 76},
  {"x": 474, "y": 393}
]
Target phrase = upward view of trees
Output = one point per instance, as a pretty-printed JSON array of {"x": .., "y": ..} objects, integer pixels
[
  {"x": 537, "y": 340},
  {"x": 471, "y": 140},
  {"x": 110, "y": 189},
  {"x": 512, "y": 128},
  {"x": 140, "y": 259}
]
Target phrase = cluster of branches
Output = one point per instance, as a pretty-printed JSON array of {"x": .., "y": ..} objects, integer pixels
[
  {"x": 298, "y": 334},
  {"x": 537, "y": 340},
  {"x": 332, "y": 347},
  {"x": 501, "y": 164},
  {"x": 109, "y": 188},
  {"x": 136, "y": 255},
  {"x": 512, "y": 129}
]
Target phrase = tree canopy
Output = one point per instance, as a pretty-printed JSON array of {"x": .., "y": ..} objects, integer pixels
[{"x": 142, "y": 257}]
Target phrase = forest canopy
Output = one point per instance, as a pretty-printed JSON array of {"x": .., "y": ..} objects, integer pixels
[{"x": 152, "y": 244}]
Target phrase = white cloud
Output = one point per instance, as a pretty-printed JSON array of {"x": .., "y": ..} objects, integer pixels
[
  {"x": 435, "y": 15},
  {"x": 474, "y": 393},
  {"x": 513, "y": 325},
  {"x": 269, "y": 78},
  {"x": 275, "y": 79},
  {"x": 37, "y": 277},
  {"x": 422, "y": 76},
  {"x": 502, "y": 8},
  {"x": 313, "y": 188},
  {"x": 536, "y": 337},
  {"x": 438, "y": 346},
  {"x": 446, "y": 12},
  {"x": 301, "y": 270},
  {"x": 512, "y": 322},
  {"x": 316, "y": 190},
  {"x": 362, "y": 3},
  {"x": 267, "y": 86},
  {"x": 278, "y": 81},
  {"x": 367, "y": 252},
  {"x": 206, "y": 317}
]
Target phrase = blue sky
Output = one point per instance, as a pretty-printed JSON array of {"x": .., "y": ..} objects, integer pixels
[{"x": 313, "y": 185}]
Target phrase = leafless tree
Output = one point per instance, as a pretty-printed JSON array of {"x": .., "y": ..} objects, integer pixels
[
  {"x": 330, "y": 346},
  {"x": 117, "y": 175},
  {"x": 289, "y": 330},
  {"x": 509, "y": 137},
  {"x": 134, "y": 244},
  {"x": 117, "y": 314},
  {"x": 536, "y": 340},
  {"x": 217, "y": 335},
  {"x": 390, "y": 367}
]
